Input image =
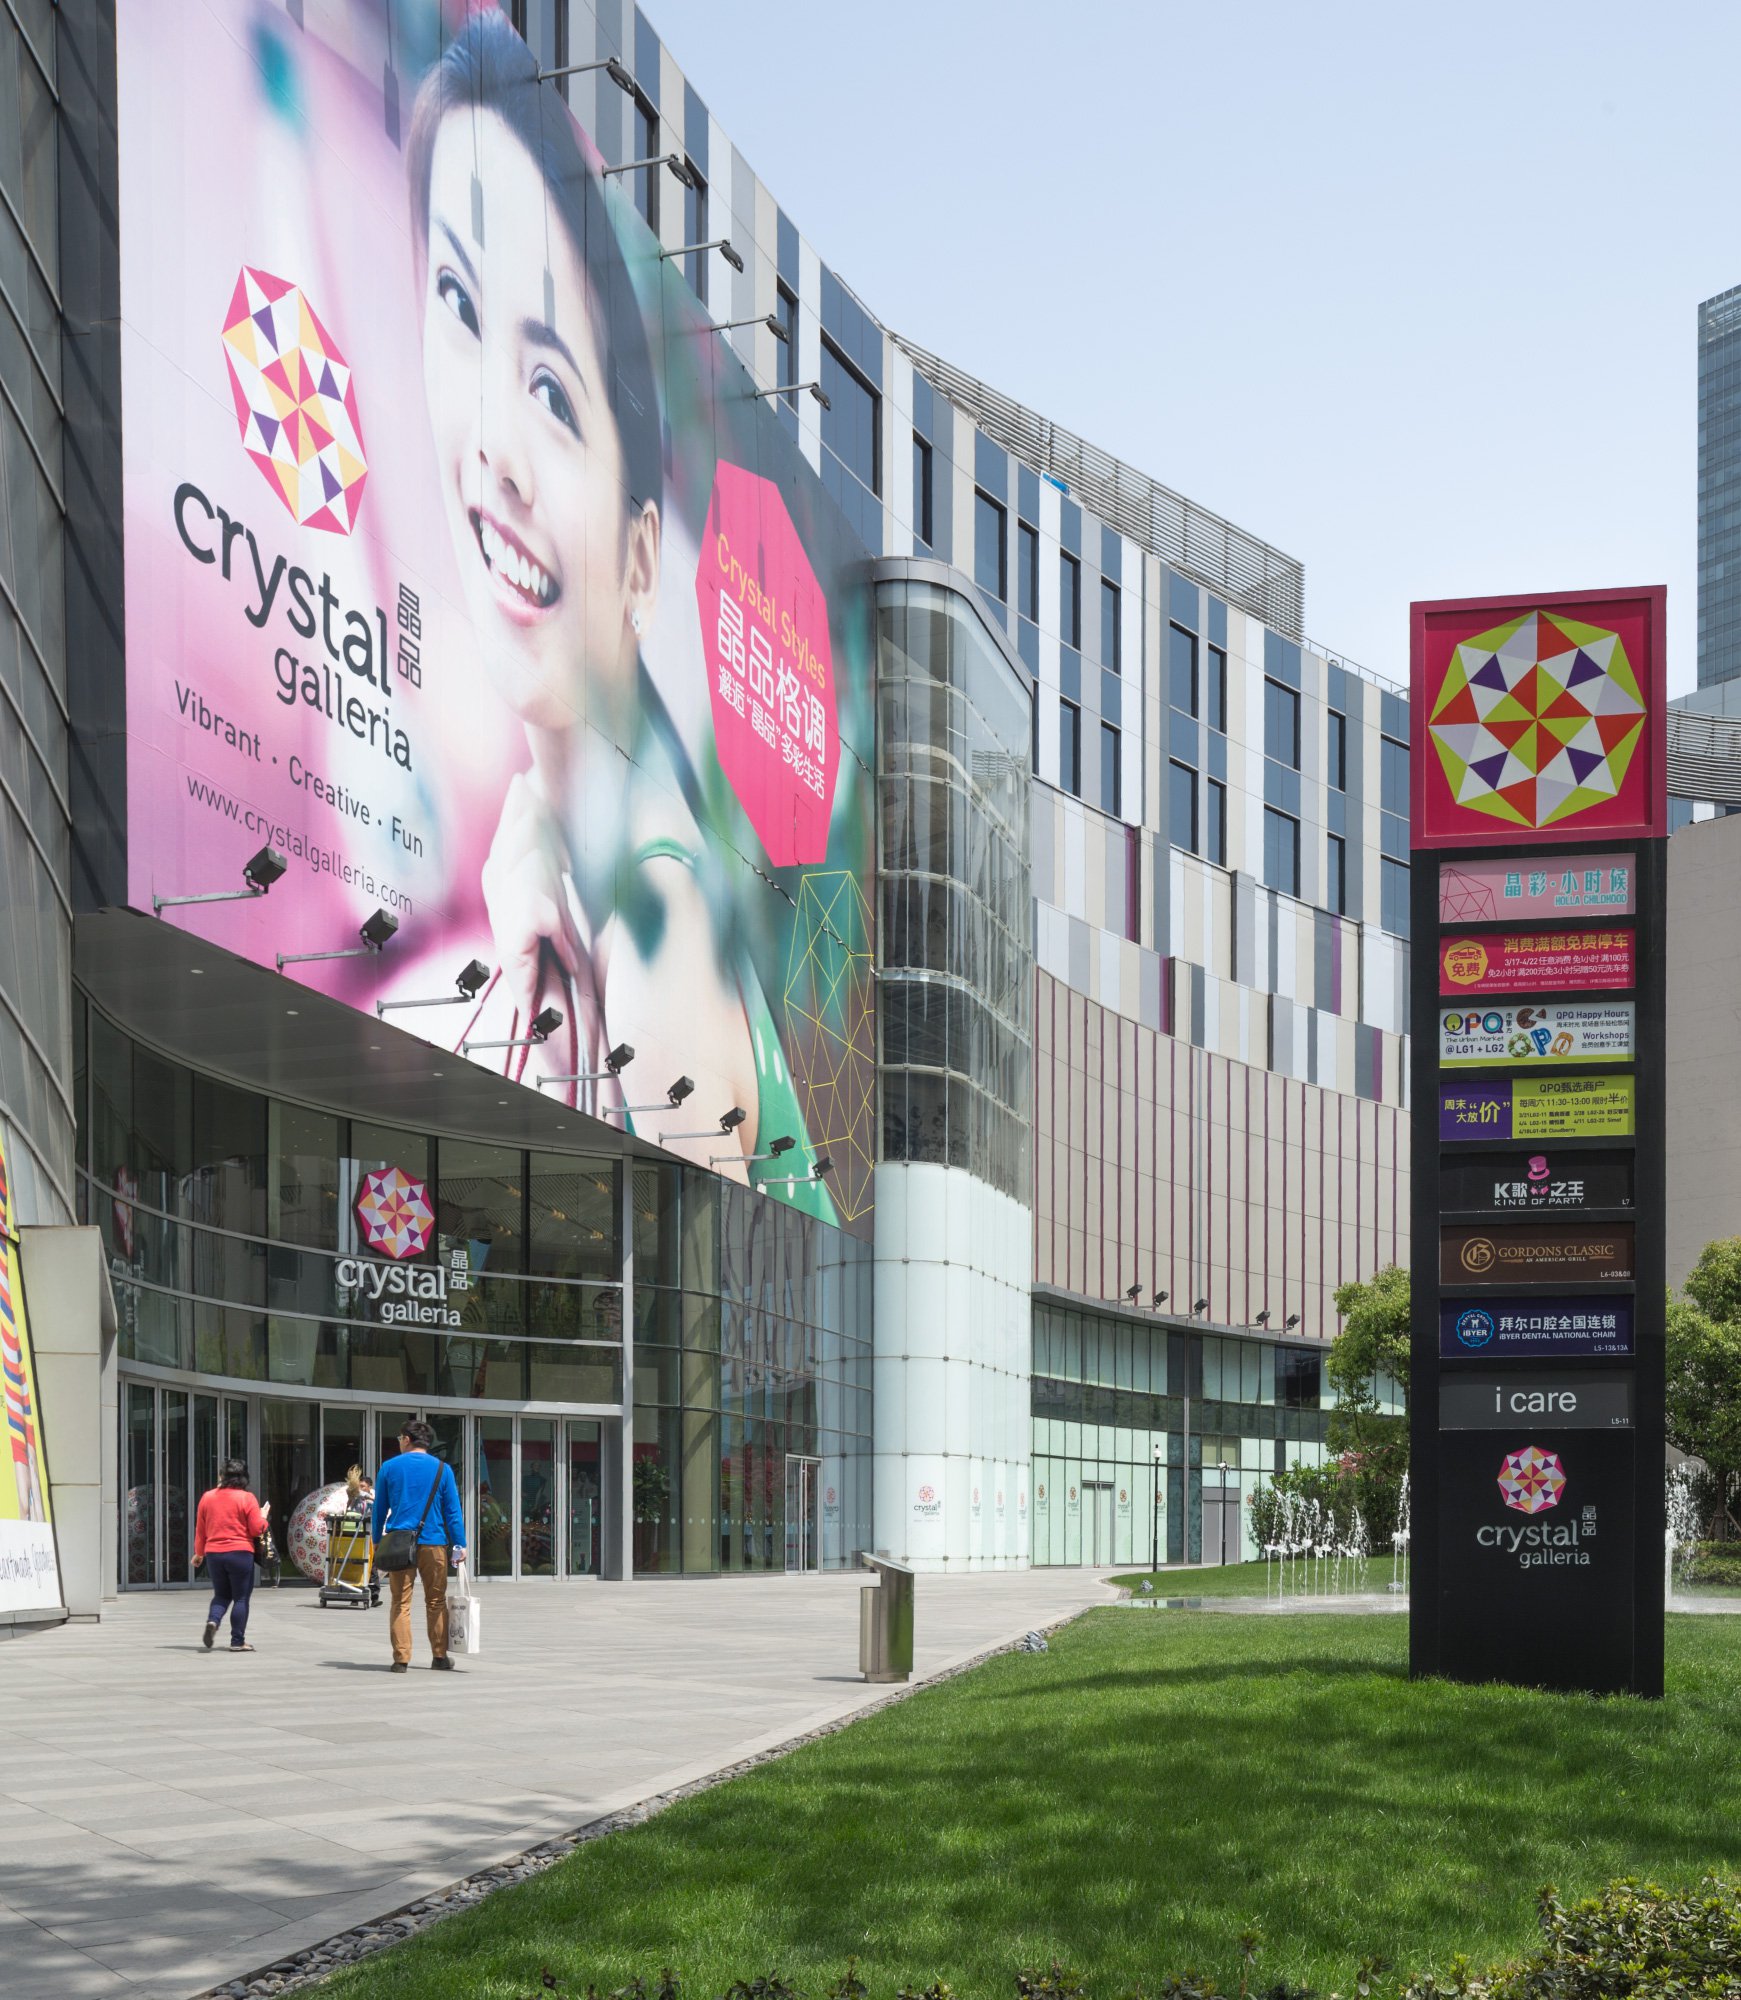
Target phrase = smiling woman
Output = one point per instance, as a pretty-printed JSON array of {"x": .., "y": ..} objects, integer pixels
[{"x": 545, "y": 418}]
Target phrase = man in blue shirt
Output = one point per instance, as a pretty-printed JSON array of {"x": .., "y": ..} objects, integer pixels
[{"x": 416, "y": 1486}]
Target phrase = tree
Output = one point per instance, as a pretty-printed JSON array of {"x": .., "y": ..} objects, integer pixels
[
  {"x": 1374, "y": 1341},
  {"x": 1704, "y": 1369}
]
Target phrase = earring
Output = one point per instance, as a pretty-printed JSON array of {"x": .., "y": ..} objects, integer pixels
[{"x": 635, "y": 621}]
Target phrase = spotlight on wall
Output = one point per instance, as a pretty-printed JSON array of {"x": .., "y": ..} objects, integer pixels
[
  {"x": 1134, "y": 1293},
  {"x": 543, "y": 1026},
  {"x": 1262, "y": 1318},
  {"x": 822, "y": 1168},
  {"x": 259, "y": 872},
  {"x": 470, "y": 979},
  {"x": 794, "y": 389},
  {"x": 783, "y": 1144},
  {"x": 377, "y": 931},
  {"x": 674, "y": 1095},
  {"x": 682, "y": 1088},
  {"x": 1160, "y": 1298},
  {"x": 729, "y": 1121},
  {"x": 1202, "y": 1306},
  {"x": 611, "y": 67},
  {"x": 776, "y": 1147},
  {"x": 723, "y": 244},
  {"x": 615, "y": 1063},
  {"x": 1292, "y": 1320}
]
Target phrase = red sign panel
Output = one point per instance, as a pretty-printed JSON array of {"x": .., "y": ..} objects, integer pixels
[
  {"x": 1535, "y": 962},
  {"x": 1538, "y": 718}
]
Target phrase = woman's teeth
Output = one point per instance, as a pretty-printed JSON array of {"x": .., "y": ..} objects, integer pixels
[{"x": 519, "y": 569}]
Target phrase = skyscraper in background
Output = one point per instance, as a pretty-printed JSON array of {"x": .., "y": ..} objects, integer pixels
[{"x": 1720, "y": 488}]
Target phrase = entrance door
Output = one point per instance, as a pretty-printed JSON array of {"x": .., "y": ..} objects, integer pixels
[
  {"x": 803, "y": 1525},
  {"x": 540, "y": 1508},
  {"x": 1097, "y": 1523},
  {"x": 1221, "y": 1517}
]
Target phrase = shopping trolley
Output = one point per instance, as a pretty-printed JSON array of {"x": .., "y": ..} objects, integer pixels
[{"x": 350, "y": 1561}]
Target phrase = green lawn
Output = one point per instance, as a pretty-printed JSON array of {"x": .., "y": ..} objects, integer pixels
[
  {"x": 1128, "y": 1803},
  {"x": 1239, "y": 1580}
]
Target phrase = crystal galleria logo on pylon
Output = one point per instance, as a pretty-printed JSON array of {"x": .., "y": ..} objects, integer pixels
[
  {"x": 1532, "y": 1480},
  {"x": 395, "y": 1213},
  {"x": 1537, "y": 720},
  {"x": 296, "y": 402}
]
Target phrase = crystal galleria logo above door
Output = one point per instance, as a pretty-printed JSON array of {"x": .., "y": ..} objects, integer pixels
[
  {"x": 296, "y": 404},
  {"x": 395, "y": 1213}
]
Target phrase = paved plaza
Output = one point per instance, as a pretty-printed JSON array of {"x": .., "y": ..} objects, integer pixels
[{"x": 170, "y": 1818}]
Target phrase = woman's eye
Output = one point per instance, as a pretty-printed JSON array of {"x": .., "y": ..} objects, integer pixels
[
  {"x": 457, "y": 300},
  {"x": 548, "y": 391}
]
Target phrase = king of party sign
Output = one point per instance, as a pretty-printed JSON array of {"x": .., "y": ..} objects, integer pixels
[{"x": 770, "y": 670}]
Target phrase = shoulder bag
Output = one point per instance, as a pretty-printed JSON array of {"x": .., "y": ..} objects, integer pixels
[{"x": 397, "y": 1548}]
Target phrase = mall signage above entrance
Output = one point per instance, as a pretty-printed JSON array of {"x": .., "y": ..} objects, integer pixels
[{"x": 1538, "y": 822}]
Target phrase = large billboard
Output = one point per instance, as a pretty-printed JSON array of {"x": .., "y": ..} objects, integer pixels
[
  {"x": 29, "y": 1572},
  {"x": 465, "y": 567}
]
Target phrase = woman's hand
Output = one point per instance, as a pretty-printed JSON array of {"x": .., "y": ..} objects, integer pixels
[{"x": 525, "y": 895}]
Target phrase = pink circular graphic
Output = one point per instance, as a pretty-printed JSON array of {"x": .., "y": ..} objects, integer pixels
[
  {"x": 926, "y": 1495},
  {"x": 395, "y": 1213},
  {"x": 770, "y": 668},
  {"x": 1532, "y": 1480}
]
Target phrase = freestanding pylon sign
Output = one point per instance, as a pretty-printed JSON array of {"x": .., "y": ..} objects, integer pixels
[{"x": 1539, "y": 821}]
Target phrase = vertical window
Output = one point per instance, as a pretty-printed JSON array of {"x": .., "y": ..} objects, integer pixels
[
  {"x": 1336, "y": 887},
  {"x": 1069, "y": 600},
  {"x": 645, "y": 145},
  {"x": 1281, "y": 724},
  {"x": 786, "y": 312},
  {"x": 1028, "y": 570},
  {"x": 695, "y": 230},
  {"x": 1182, "y": 663},
  {"x": 1216, "y": 693},
  {"x": 922, "y": 526},
  {"x": 990, "y": 554},
  {"x": 1215, "y": 824},
  {"x": 851, "y": 418},
  {"x": 1393, "y": 775},
  {"x": 1111, "y": 771},
  {"x": 1034, "y": 748},
  {"x": 1110, "y": 644},
  {"x": 1070, "y": 747},
  {"x": 1182, "y": 807},
  {"x": 1394, "y": 897},
  {"x": 1281, "y": 851},
  {"x": 1337, "y": 757}
]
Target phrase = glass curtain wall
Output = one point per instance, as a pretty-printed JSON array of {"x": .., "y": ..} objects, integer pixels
[
  {"x": 1227, "y": 1413},
  {"x": 953, "y": 738},
  {"x": 235, "y": 1243}
]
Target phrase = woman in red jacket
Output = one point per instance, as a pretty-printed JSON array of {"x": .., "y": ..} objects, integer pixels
[{"x": 229, "y": 1522}]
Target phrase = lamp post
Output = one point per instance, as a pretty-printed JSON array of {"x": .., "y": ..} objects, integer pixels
[{"x": 1155, "y": 1510}]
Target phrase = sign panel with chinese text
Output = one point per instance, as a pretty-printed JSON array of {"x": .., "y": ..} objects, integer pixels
[
  {"x": 1549, "y": 1179},
  {"x": 1497, "y": 1329},
  {"x": 1489, "y": 890},
  {"x": 1535, "y": 961},
  {"x": 1538, "y": 1107}
]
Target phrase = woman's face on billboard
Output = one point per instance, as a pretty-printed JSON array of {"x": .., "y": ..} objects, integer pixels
[{"x": 531, "y": 463}]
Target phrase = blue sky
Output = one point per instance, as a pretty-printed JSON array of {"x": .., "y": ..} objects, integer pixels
[{"x": 1408, "y": 292}]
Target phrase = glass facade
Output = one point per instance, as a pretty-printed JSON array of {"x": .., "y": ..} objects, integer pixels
[
  {"x": 1720, "y": 488},
  {"x": 957, "y": 905},
  {"x": 237, "y": 1249},
  {"x": 1225, "y": 1412},
  {"x": 35, "y": 822}
]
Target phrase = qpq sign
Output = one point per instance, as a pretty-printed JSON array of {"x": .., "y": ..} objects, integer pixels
[{"x": 1539, "y": 812}]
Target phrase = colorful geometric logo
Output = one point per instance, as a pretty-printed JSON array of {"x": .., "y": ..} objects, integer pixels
[
  {"x": 1537, "y": 720},
  {"x": 296, "y": 403},
  {"x": 1532, "y": 1480},
  {"x": 395, "y": 1213}
]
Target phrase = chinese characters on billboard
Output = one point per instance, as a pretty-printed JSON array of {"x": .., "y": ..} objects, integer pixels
[{"x": 464, "y": 566}]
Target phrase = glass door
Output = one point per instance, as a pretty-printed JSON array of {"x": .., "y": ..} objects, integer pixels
[
  {"x": 169, "y": 1440},
  {"x": 1097, "y": 1524},
  {"x": 803, "y": 1537},
  {"x": 585, "y": 1485}
]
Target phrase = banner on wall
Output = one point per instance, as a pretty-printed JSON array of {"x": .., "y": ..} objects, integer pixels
[
  {"x": 1538, "y": 1107},
  {"x": 465, "y": 567},
  {"x": 1504, "y": 1037},
  {"x": 1535, "y": 962},
  {"x": 29, "y": 1572}
]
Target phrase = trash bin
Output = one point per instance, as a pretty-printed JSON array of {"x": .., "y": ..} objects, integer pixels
[{"x": 885, "y": 1622}]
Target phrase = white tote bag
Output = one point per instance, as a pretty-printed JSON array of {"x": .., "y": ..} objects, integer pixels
[{"x": 465, "y": 1615}]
